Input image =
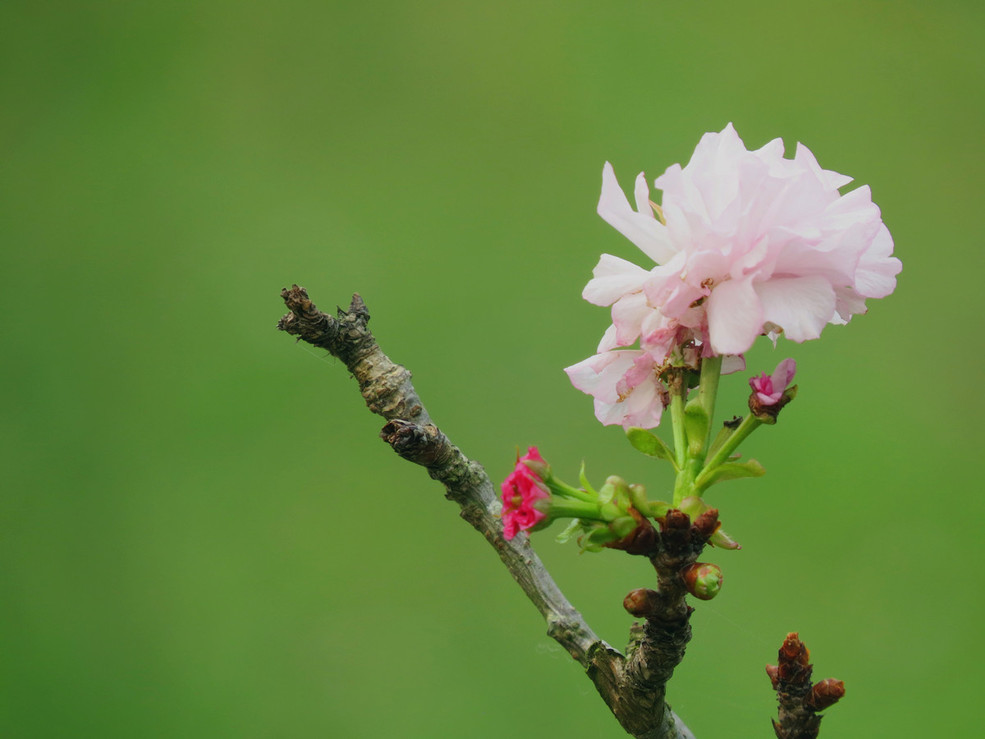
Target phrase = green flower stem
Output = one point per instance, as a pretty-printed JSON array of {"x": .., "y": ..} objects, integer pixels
[
  {"x": 567, "y": 508},
  {"x": 562, "y": 488},
  {"x": 692, "y": 423},
  {"x": 677, "y": 390},
  {"x": 711, "y": 372},
  {"x": 684, "y": 485},
  {"x": 749, "y": 424}
]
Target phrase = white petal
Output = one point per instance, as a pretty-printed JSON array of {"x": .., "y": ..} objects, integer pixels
[
  {"x": 877, "y": 270},
  {"x": 801, "y": 306},
  {"x": 735, "y": 317},
  {"x": 641, "y": 192},
  {"x": 628, "y": 314},
  {"x": 646, "y": 232},
  {"x": 733, "y": 363},
  {"x": 612, "y": 279},
  {"x": 608, "y": 340}
]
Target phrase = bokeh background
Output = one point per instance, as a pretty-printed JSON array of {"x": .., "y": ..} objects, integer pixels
[{"x": 202, "y": 535}]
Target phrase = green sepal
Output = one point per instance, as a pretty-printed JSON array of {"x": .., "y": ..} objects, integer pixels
[
  {"x": 733, "y": 471},
  {"x": 657, "y": 509},
  {"x": 596, "y": 539},
  {"x": 723, "y": 541},
  {"x": 637, "y": 496},
  {"x": 570, "y": 530},
  {"x": 623, "y": 527},
  {"x": 650, "y": 444},
  {"x": 608, "y": 492},
  {"x": 583, "y": 479}
]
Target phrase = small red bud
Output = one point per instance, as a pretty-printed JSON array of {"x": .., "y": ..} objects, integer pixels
[
  {"x": 826, "y": 693},
  {"x": 641, "y": 602}
]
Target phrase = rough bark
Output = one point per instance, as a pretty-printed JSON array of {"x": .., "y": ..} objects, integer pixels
[{"x": 632, "y": 687}]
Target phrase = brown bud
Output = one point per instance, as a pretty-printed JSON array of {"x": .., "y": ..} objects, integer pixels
[
  {"x": 676, "y": 519},
  {"x": 641, "y": 540},
  {"x": 794, "y": 650},
  {"x": 794, "y": 661},
  {"x": 826, "y": 693},
  {"x": 642, "y": 602}
]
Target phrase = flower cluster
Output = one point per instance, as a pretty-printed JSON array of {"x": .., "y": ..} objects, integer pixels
[
  {"x": 745, "y": 243},
  {"x": 521, "y": 489}
]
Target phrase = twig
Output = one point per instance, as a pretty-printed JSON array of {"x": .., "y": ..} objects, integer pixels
[
  {"x": 633, "y": 688},
  {"x": 799, "y": 698}
]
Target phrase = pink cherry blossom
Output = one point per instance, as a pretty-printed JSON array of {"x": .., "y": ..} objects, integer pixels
[
  {"x": 521, "y": 489},
  {"x": 769, "y": 388},
  {"x": 746, "y": 243}
]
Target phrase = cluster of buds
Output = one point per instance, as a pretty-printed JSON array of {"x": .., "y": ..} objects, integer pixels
[
  {"x": 618, "y": 515},
  {"x": 612, "y": 516},
  {"x": 800, "y": 699}
]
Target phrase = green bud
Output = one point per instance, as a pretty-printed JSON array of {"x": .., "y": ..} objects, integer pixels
[
  {"x": 623, "y": 527},
  {"x": 703, "y": 580},
  {"x": 615, "y": 490},
  {"x": 637, "y": 496},
  {"x": 657, "y": 509}
]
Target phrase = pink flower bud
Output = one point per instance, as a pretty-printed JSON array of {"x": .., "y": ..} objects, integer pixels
[
  {"x": 769, "y": 389},
  {"x": 771, "y": 392},
  {"x": 521, "y": 489}
]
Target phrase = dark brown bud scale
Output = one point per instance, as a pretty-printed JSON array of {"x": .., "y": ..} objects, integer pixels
[
  {"x": 676, "y": 519},
  {"x": 707, "y": 523},
  {"x": 642, "y": 540}
]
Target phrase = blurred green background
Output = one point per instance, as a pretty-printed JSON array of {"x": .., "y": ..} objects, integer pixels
[{"x": 202, "y": 535}]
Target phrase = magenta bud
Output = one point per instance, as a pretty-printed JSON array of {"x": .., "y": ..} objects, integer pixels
[{"x": 703, "y": 580}]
